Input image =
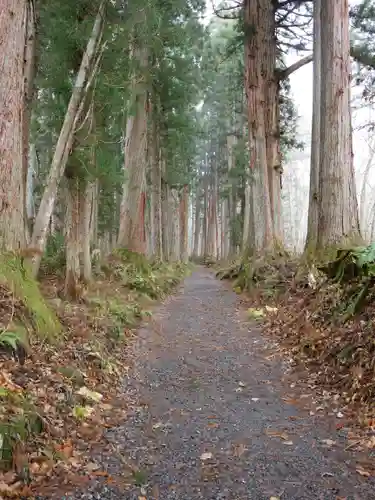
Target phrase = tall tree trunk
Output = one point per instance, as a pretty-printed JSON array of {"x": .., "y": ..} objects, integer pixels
[
  {"x": 246, "y": 218},
  {"x": 231, "y": 205},
  {"x": 205, "y": 217},
  {"x": 73, "y": 238},
  {"x": 272, "y": 118},
  {"x": 338, "y": 208},
  {"x": 82, "y": 84},
  {"x": 184, "y": 217},
  {"x": 174, "y": 225},
  {"x": 131, "y": 232},
  {"x": 215, "y": 210},
  {"x": 94, "y": 213},
  {"x": 165, "y": 217},
  {"x": 13, "y": 27},
  {"x": 86, "y": 210},
  {"x": 77, "y": 234},
  {"x": 197, "y": 224},
  {"x": 313, "y": 213},
  {"x": 211, "y": 225},
  {"x": 30, "y": 67},
  {"x": 156, "y": 214},
  {"x": 257, "y": 18},
  {"x": 362, "y": 202},
  {"x": 30, "y": 180}
]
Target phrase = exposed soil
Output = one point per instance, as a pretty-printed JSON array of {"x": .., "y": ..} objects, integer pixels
[{"x": 214, "y": 418}]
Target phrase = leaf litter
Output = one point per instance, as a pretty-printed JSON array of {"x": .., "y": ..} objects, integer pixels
[
  {"x": 312, "y": 328},
  {"x": 62, "y": 397}
]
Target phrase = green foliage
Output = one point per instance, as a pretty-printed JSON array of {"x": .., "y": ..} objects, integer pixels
[
  {"x": 19, "y": 421},
  {"x": 151, "y": 279},
  {"x": 14, "y": 339},
  {"x": 350, "y": 263},
  {"x": 53, "y": 260},
  {"x": 354, "y": 269}
]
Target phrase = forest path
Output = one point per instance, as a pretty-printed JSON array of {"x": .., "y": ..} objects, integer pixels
[{"x": 209, "y": 399}]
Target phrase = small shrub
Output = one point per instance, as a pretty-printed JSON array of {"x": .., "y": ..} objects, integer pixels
[{"x": 19, "y": 420}]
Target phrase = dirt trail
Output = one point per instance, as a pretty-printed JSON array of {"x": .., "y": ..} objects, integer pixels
[{"x": 206, "y": 401}]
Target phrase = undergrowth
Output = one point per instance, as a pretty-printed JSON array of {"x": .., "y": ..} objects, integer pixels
[
  {"x": 323, "y": 315},
  {"x": 61, "y": 363}
]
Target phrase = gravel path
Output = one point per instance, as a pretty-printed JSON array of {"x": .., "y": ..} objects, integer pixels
[{"x": 209, "y": 399}]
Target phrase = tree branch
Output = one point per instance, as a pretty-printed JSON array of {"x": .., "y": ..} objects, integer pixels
[
  {"x": 285, "y": 73},
  {"x": 365, "y": 59},
  {"x": 356, "y": 54}
]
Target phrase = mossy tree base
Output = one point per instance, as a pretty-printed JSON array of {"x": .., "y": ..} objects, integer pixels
[{"x": 16, "y": 276}]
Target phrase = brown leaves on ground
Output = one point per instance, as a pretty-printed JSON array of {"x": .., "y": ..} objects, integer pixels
[
  {"x": 62, "y": 398},
  {"x": 338, "y": 357}
]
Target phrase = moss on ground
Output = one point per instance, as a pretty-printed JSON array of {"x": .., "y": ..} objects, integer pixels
[{"x": 17, "y": 278}]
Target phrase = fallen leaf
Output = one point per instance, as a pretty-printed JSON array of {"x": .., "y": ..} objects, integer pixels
[
  {"x": 65, "y": 449},
  {"x": 290, "y": 401},
  {"x": 206, "y": 456},
  {"x": 102, "y": 473},
  {"x": 280, "y": 434},
  {"x": 371, "y": 442},
  {"x": 271, "y": 309},
  {"x": 91, "y": 467},
  {"x": 363, "y": 472},
  {"x": 239, "y": 450},
  {"x": 91, "y": 395},
  {"x": 328, "y": 442}
]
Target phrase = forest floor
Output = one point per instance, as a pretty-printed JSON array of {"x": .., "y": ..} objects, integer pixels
[{"x": 214, "y": 411}]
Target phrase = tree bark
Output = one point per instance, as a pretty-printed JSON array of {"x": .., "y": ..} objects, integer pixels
[
  {"x": 13, "y": 28},
  {"x": 362, "y": 202},
  {"x": 156, "y": 215},
  {"x": 231, "y": 204},
  {"x": 246, "y": 219},
  {"x": 184, "y": 217},
  {"x": 174, "y": 225},
  {"x": 72, "y": 238},
  {"x": 313, "y": 213},
  {"x": 165, "y": 217},
  {"x": 205, "y": 215},
  {"x": 131, "y": 232},
  {"x": 257, "y": 19},
  {"x": 86, "y": 210},
  {"x": 272, "y": 118},
  {"x": 197, "y": 225},
  {"x": 338, "y": 208}
]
